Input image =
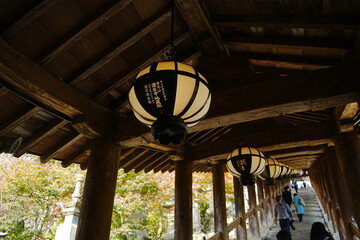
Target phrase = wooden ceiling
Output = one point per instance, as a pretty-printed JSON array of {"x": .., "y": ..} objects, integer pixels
[{"x": 281, "y": 75}]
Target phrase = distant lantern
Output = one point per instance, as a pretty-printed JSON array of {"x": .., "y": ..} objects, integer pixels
[
  {"x": 169, "y": 97},
  {"x": 283, "y": 170},
  {"x": 272, "y": 170},
  {"x": 246, "y": 163}
]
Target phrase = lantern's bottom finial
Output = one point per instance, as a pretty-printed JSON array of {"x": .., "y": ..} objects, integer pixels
[
  {"x": 169, "y": 130},
  {"x": 248, "y": 179}
]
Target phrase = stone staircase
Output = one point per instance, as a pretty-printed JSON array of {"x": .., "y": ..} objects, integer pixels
[{"x": 313, "y": 213}]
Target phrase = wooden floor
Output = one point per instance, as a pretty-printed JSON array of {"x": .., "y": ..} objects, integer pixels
[{"x": 313, "y": 213}]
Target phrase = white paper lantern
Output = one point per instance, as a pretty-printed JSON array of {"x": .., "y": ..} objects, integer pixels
[
  {"x": 169, "y": 97},
  {"x": 246, "y": 163}
]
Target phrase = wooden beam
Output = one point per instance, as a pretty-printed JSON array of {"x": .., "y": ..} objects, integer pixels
[
  {"x": 308, "y": 22},
  {"x": 158, "y": 158},
  {"x": 199, "y": 25},
  {"x": 122, "y": 47},
  {"x": 34, "y": 81},
  {"x": 136, "y": 164},
  {"x": 265, "y": 141},
  {"x": 37, "y": 137},
  {"x": 3, "y": 91},
  {"x": 18, "y": 118},
  {"x": 241, "y": 231},
  {"x": 296, "y": 152},
  {"x": 308, "y": 91},
  {"x": 233, "y": 40},
  {"x": 119, "y": 80},
  {"x": 59, "y": 147},
  {"x": 83, "y": 30},
  {"x": 28, "y": 18}
]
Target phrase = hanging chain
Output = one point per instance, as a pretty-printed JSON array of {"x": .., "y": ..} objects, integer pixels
[{"x": 171, "y": 53}]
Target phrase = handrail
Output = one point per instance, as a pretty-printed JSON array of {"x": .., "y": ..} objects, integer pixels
[
  {"x": 234, "y": 224},
  {"x": 355, "y": 230},
  {"x": 217, "y": 236}
]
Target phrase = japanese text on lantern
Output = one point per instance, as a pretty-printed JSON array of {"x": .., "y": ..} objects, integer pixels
[{"x": 153, "y": 93}]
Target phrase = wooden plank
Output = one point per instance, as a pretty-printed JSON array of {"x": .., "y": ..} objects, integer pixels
[
  {"x": 37, "y": 137},
  {"x": 122, "y": 47},
  {"x": 199, "y": 25},
  {"x": 59, "y": 147},
  {"x": 28, "y": 18},
  {"x": 119, "y": 80},
  {"x": 308, "y": 91},
  {"x": 296, "y": 152},
  {"x": 35, "y": 82},
  {"x": 83, "y": 30},
  {"x": 291, "y": 21},
  {"x": 216, "y": 236},
  {"x": 18, "y": 118},
  {"x": 355, "y": 230}
]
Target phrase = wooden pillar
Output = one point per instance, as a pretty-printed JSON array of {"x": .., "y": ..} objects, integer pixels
[
  {"x": 99, "y": 191},
  {"x": 341, "y": 191},
  {"x": 253, "y": 219},
  {"x": 262, "y": 200},
  {"x": 183, "y": 200},
  {"x": 348, "y": 151},
  {"x": 219, "y": 200},
  {"x": 241, "y": 232},
  {"x": 269, "y": 202}
]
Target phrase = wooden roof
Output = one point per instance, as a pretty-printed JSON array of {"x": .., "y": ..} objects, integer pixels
[{"x": 281, "y": 74}]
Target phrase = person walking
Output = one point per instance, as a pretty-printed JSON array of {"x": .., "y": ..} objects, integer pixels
[
  {"x": 318, "y": 232},
  {"x": 299, "y": 206},
  {"x": 286, "y": 195},
  {"x": 283, "y": 213},
  {"x": 296, "y": 187}
]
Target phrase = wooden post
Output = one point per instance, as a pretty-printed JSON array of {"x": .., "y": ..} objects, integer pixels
[
  {"x": 253, "y": 219},
  {"x": 183, "y": 200},
  {"x": 219, "y": 200},
  {"x": 262, "y": 200},
  {"x": 348, "y": 151},
  {"x": 99, "y": 191},
  {"x": 241, "y": 232}
]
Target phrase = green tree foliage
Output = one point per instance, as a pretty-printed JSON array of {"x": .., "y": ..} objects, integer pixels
[
  {"x": 32, "y": 195},
  {"x": 140, "y": 205}
]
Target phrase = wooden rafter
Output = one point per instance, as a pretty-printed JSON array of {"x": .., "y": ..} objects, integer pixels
[
  {"x": 83, "y": 30},
  {"x": 18, "y": 118},
  {"x": 307, "y": 22},
  {"x": 59, "y": 147},
  {"x": 199, "y": 25},
  {"x": 75, "y": 156},
  {"x": 39, "y": 136},
  {"x": 31, "y": 16},
  {"x": 265, "y": 141},
  {"x": 119, "y": 80},
  {"x": 111, "y": 54}
]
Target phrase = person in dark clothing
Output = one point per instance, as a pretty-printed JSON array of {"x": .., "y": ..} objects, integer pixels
[
  {"x": 318, "y": 232},
  {"x": 283, "y": 235},
  {"x": 286, "y": 195}
]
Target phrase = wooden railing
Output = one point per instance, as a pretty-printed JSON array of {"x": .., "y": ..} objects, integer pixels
[{"x": 355, "y": 230}]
